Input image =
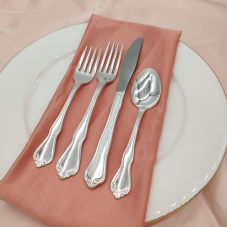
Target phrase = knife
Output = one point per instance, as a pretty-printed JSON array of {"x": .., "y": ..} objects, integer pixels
[{"x": 95, "y": 173}]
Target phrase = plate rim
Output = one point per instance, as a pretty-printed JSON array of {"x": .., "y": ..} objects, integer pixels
[{"x": 167, "y": 214}]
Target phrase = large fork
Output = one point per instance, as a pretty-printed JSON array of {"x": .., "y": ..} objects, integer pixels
[
  {"x": 44, "y": 154},
  {"x": 69, "y": 162}
]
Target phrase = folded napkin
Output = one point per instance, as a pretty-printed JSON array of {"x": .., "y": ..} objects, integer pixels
[{"x": 40, "y": 193}]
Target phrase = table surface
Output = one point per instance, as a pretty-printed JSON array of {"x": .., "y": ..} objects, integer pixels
[{"x": 204, "y": 28}]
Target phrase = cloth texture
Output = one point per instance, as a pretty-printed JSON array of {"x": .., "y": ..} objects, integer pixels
[
  {"x": 204, "y": 29},
  {"x": 62, "y": 203}
]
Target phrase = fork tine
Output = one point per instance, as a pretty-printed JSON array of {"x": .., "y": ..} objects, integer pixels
[
  {"x": 81, "y": 59},
  {"x": 91, "y": 62},
  {"x": 104, "y": 57},
  {"x": 118, "y": 61},
  {"x": 113, "y": 61},
  {"x": 96, "y": 63},
  {"x": 86, "y": 61},
  {"x": 108, "y": 61}
]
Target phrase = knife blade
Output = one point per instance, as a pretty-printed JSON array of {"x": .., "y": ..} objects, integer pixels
[
  {"x": 129, "y": 64},
  {"x": 95, "y": 173}
]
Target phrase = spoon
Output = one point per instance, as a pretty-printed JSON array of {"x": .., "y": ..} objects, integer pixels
[{"x": 145, "y": 94}]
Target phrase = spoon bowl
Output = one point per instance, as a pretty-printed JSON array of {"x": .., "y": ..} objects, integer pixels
[{"x": 146, "y": 89}]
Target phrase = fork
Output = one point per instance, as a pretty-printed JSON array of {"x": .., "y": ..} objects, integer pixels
[
  {"x": 69, "y": 162},
  {"x": 44, "y": 154}
]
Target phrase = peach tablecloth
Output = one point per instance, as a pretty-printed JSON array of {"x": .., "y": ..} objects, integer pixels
[{"x": 204, "y": 29}]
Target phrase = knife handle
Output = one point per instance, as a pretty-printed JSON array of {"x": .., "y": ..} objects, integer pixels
[
  {"x": 44, "y": 154},
  {"x": 95, "y": 173}
]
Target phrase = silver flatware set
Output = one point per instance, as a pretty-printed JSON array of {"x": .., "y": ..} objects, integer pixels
[{"x": 145, "y": 94}]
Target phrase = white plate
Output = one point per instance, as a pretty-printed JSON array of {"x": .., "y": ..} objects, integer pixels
[{"x": 193, "y": 141}]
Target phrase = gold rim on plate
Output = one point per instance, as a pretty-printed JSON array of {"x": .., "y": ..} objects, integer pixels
[{"x": 165, "y": 215}]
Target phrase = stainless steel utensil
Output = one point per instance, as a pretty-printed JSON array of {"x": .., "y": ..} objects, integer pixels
[
  {"x": 69, "y": 162},
  {"x": 96, "y": 171},
  {"x": 44, "y": 154},
  {"x": 145, "y": 94}
]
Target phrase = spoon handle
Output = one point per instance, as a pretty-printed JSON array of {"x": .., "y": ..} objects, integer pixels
[
  {"x": 44, "y": 154},
  {"x": 69, "y": 162},
  {"x": 121, "y": 183},
  {"x": 95, "y": 173}
]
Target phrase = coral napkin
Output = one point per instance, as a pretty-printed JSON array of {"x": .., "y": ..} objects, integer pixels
[{"x": 40, "y": 193}]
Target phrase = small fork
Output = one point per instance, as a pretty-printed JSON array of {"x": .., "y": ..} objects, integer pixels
[
  {"x": 69, "y": 162},
  {"x": 44, "y": 154}
]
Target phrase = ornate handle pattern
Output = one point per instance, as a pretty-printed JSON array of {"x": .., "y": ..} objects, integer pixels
[
  {"x": 69, "y": 162},
  {"x": 44, "y": 154},
  {"x": 96, "y": 171},
  {"x": 121, "y": 183}
]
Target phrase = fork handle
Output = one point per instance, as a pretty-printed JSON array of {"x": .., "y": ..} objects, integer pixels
[
  {"x": 121, "y": 183},
  {"x": 44, "y": 154},
  {"x": 69, "y": 162},
  {"x": 96, "y": 171}
]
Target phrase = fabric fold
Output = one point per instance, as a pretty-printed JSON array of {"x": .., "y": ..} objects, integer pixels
[{"x": 40, "y": 193}]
